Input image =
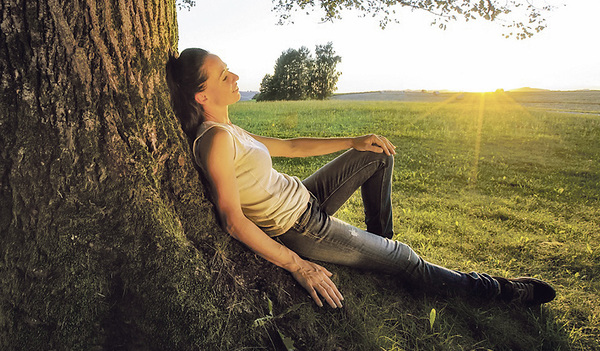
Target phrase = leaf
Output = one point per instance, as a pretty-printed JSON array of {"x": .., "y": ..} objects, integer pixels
[
  {"x": 289, "y": 343},
  {"x": 432, "y": 315},
  {"x": 270, "y": 306},
  {"x": 259, "y": 322}
]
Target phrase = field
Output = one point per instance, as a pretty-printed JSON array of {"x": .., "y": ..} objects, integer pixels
[{"x": 503, "y": 183}]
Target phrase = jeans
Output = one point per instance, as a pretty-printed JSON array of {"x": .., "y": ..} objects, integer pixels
[{"x": 317, "y": 235}]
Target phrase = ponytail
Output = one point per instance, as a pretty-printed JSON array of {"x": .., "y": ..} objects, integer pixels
[{"x": 185, "y": 78}]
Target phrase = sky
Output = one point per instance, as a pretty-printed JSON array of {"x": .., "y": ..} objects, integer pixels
[{"x": 471, "y": 56}]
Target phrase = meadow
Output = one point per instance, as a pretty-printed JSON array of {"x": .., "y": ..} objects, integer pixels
[{"x": 502, "y": 183}]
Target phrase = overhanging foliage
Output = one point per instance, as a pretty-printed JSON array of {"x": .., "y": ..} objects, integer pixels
[{"x": 521, "y": 18}]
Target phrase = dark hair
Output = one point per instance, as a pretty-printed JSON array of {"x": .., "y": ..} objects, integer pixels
[{"x": 185, "y": 78}]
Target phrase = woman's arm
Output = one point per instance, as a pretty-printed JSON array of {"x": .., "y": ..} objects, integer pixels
[
  {"x": 303, "y": 147},
  {"x": 216, "y": 154}
]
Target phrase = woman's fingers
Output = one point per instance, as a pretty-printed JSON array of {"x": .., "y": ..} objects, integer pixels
[
  {"x": 330, "y": 282},
  {"x": 390, "y": 146},
  {"x": 327, "y": 289},
  {"x": 313, "y": 294},
  {"x": 332, "y": 291},
  {"x": 337, "y": 293},
  {"x": 326, "y": 292},
  {"x": 317, "y": 282},
  {"x": 375, "y": 143},
  {"x": 329, "y": 293},
  {"x": 384, "y": 144}
]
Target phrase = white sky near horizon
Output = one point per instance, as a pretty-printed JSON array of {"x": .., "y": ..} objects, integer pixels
[{"x": 470, "y": 56}]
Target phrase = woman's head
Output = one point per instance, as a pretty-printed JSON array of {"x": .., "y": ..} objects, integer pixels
[
  {"x": 221, "y": 88},
  {"x": 198, "y": 81}
]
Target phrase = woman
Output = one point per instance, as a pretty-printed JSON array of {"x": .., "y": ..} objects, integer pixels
[{"x": 256, "y": 204}]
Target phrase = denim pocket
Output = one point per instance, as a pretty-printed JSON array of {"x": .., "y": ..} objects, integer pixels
[{"x": 302, "y": 221}]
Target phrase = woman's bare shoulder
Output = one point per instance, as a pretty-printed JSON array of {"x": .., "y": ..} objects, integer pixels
[
  {"x": 215, "y": 142},
  {"x": 214, "y": 134}
]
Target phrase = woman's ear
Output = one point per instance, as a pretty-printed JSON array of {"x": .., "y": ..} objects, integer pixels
[{"x": 200, "y": 98}]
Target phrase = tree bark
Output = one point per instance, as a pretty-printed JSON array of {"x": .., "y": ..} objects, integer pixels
[{"x": 106, "y": 238}]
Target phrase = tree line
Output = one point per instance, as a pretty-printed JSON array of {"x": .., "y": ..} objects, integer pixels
[{"x": 300, "y": 76}]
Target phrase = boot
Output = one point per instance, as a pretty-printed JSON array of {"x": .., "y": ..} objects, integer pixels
[{"x": 526, "y": 291}]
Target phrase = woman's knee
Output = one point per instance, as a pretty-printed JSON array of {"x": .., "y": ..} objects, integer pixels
[
  {"x": 372, "y": 156},
  {"x": 386, "y": 161}
]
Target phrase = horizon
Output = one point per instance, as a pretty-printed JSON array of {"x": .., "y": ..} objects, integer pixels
[{"x": 441, "y": 91}]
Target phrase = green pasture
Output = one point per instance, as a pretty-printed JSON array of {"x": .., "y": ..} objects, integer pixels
[{"x": 482, "y": 182}]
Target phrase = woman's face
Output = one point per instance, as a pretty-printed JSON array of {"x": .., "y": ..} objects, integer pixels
[{"x": 221, "y": 86}]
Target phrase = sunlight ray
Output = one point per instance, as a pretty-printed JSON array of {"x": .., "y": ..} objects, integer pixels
[
  {"x": 437, "y": 107},
  {"x": 475, "y": 168},
  {"x": 512, "y": 103}
]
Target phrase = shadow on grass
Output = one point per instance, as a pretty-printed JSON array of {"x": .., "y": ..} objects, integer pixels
[{"x": 381, "y": 314}]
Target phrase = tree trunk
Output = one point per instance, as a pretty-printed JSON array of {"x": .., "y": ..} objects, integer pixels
[{"x": 107, "y": 239}]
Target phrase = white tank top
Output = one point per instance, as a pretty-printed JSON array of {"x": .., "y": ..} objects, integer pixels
[{"x": 272, "y": 200}]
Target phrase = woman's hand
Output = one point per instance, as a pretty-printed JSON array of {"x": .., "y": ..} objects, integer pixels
[
  {"x": 315, "y": 278},
  {"x": 374, "y": 143}
]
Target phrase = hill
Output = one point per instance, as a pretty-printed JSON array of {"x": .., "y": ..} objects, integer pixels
[
  {"x": 528, "y": 90},
  {"x": 247, "y": 95}
]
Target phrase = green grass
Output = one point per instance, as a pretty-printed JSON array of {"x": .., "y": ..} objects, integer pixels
[{"x": 481, "y": 183}]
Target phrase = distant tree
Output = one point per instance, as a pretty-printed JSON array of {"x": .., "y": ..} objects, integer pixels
[
  {"x": 324, "y": 75},
  {"x": 298, "y": 76},
  {"x": 291, "y": 78},
  {"x": 267, "y": 90},
  {"x": 294, "y": 70},
  {"x": 523, "y": 18}
]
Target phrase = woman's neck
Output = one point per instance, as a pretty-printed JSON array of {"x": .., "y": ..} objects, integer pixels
[{"x": 219, "y": 115}]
